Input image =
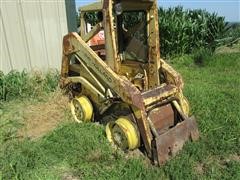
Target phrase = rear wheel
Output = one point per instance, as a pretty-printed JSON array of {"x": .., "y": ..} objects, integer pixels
[
  {"x": 82, "y": 109},
  {"x": 123, "y": 133}
]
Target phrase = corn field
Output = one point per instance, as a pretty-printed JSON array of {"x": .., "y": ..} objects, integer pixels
[{"x": 182, "y": 31}]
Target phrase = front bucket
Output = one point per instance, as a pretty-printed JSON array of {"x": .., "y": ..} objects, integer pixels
[{"x": 169, "y": 143}]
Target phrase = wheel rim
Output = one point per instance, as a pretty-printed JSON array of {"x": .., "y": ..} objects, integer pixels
[
  {"x": 185, "y": 106},
  {"x": 81, "y": 109},
  {"x": 123, "y": 133},
  {"x": 119, "y": 137}
]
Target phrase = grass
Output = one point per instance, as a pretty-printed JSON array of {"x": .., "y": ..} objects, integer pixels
[
  {"x": 22, "y": 84},
  {"x": 82, "y": 151}
]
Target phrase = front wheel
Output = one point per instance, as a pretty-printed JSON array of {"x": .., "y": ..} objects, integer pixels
[{"x": 123, "y": 133}]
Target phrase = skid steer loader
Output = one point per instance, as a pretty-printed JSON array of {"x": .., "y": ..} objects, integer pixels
[{"x": 121, "y": 81}]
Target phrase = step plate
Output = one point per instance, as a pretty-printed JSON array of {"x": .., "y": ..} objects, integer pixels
[{"x": 155, "y": 95}]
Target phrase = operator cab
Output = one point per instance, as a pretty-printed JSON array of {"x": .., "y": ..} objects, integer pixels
[
  {"x": 130, "y": 25},
  {"x": 135, "y": 49},
  {"x": 132, "y": 36},
  {"x": 136, "y": 41}
]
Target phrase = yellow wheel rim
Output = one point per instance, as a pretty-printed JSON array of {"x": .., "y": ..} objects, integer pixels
[
  {"x": 185, "y": 106},
  {"x": 109, "y": 127},
  {"x": 82, "y": 109},
  {"x": 123, "y": 133}
]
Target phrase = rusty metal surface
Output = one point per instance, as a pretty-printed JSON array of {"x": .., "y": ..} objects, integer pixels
[
  {"x": 154, "y": 48},
  {"x": 172, "y": 77},
  {"x": 169, "y": 143},
  {"x": 162, "y": 118},
  {"x": 159, "y": 93}
]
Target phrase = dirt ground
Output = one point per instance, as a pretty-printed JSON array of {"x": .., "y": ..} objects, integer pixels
[{"x": 42, "y": 117}]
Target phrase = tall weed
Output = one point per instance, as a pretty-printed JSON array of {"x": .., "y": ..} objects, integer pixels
[{"x": 22, "y": 84}]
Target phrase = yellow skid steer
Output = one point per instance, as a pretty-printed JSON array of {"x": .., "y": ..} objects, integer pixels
[{"x": 115, "y": 75}]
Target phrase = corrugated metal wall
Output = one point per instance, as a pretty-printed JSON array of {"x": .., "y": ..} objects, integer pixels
[{"x": 31, "y": 33}]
